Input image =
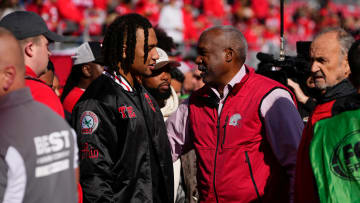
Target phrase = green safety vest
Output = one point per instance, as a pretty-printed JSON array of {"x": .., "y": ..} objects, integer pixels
[{"x": 335, "y": 157}]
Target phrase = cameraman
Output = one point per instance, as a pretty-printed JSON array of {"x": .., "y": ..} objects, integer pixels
[{"x": 330, "y": 70}]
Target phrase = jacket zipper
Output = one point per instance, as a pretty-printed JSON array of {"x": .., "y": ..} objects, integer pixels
[
  {"x": 226, "y": 121},
  {"x": 217, "y": 145},
  {"x": 252, "y": 175}
]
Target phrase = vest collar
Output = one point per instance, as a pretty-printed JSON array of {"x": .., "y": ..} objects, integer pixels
[{"x": 212, "y": 100}]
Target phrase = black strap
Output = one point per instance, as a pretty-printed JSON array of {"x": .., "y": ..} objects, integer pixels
[{"x": 36, "y": 79}]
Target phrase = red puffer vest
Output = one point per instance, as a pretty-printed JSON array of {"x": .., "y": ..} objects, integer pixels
[{"x": 235, "y": 161}]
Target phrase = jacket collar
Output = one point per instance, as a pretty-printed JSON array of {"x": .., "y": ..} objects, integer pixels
[
  {"x": 347, "y": 103},
  {"x": 210, "y": 97},
  {"x": 120, "y": 80},
  {"x": 15, "y": 98},
  {"x": 341, "y": 89},
  {"x": 235, "y": 80}
]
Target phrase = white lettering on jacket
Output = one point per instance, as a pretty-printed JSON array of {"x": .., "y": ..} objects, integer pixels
[{"x": 53, "y": 142}]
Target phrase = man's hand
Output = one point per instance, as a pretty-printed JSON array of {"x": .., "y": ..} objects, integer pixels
[{"x": 300, "y": 96}]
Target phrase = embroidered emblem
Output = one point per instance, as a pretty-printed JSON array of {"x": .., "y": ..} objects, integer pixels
[
  {"x": 89, "y": 122},
  {"x": 148, "y": 99},
  {"x": 88, "y": 152},
  {"x": 234, "y": 120},
  {"x": 127, "y": 112}
]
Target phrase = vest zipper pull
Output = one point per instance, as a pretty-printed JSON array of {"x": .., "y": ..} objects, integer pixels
[{"x": 224, "y": 126}]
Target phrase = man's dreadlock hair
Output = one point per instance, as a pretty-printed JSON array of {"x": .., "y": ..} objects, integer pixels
[{"x": 123, "y": 30}]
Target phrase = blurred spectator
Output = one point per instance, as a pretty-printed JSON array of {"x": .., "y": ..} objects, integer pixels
[
  {"x": 149, "y": 9},
  {"x": 34, "y": 37},
  {"x": 9, "y": 6},
  {"x": 124, "y": 7},
  {"x": 177, "y": 78},
  {"x": 88, "y": 65},
  {"x": 190, "y": 35},
  {"x": 56, "y": 86},
  {"x": 172, "y": 22},
  {"x": 192, "y": 81},
  {"x": 260, "y": 8},
  {"x": 158, "y": 84},
  {"x": 51, "y": 79},
  {"x": 214, "y": 8},
  {"x": 48, "y": 10},
  {"x": 48, "y": 76},
  {"x": 89, "y": 15},
  {"x": 165, "y": 42}
]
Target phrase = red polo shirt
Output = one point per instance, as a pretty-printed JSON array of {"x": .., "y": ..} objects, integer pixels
[{"x": 43, "y": 93}]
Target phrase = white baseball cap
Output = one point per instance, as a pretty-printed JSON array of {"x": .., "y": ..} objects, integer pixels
[{"x": 164, "y": 60}]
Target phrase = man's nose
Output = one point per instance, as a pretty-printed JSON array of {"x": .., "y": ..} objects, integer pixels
[
  {"x": 155, "y": 54},
  {"x": 198, "y": 60},
  {"x": 165, "y": 76},
  {"x": 314, "y": 67}
]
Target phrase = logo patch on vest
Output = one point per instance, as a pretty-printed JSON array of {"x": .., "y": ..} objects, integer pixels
[
  {"x": 345, "y": 159},
  {"x": 234, "y": 120},
  {"x": 89, "y": 122}
]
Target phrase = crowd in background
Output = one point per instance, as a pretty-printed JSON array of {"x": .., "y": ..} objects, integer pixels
[{"x": 259, "y": 20}]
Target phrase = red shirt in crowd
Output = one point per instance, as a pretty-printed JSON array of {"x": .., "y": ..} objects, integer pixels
[
  {"x": 43, "y": 93},
  {"x": 48, "y": 11},
  {"x": 149, "y": 9},
  {"x": 72, "y": 98}
]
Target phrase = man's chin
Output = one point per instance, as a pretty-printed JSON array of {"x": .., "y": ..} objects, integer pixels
[{"x": 320, "y": 86}]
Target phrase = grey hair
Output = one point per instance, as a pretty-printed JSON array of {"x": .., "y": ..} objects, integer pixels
[
  {"x": 236, "y": 39},
  {"x": 345, "y": 39}
]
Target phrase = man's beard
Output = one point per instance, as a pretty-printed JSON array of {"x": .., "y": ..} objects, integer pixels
[{"x": 155, "y": 92}]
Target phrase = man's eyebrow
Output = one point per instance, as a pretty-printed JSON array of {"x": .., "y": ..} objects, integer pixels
[
  {"x": 152, "y": 45},
  {"x": 201, "y": 49}
]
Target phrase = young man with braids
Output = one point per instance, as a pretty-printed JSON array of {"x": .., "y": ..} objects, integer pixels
[{"x": 124, "y": 149}]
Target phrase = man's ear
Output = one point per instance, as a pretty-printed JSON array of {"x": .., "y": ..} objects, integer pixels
[
  {"x": 229, "y": 54},
  {"x": 8, "y": 75},
  {"x": 86, "y": 70},
  {"x": 29, "y": 49},
  {"x": 347, "y": 68},
  {"x": 124, "y": 51}
]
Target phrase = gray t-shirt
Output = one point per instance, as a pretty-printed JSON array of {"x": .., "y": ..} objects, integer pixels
[{"x": 38, "y": 152}]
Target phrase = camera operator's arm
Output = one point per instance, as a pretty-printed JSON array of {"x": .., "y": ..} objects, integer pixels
[{"x": 300, "y": 96}]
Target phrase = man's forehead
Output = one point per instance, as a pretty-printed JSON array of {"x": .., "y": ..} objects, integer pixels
[
  {"x": 324, "y": 44},
  {"x": 212, "y": 37},
  {"x": 140, "y": 35}
]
